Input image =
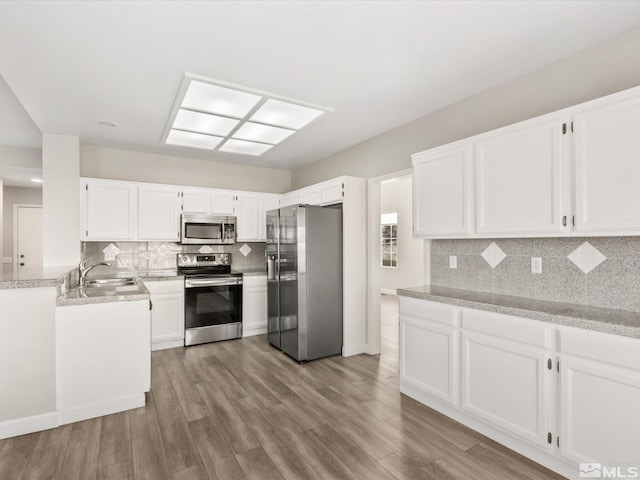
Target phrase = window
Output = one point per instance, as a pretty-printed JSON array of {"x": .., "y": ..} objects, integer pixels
[{"x": 389, "y": 239}]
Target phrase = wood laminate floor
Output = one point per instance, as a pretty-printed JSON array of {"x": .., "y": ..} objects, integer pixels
[{"x": 243, "y": 410}]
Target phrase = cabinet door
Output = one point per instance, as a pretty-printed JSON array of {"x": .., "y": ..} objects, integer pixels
[
  {"x": 505, "y": 384},
  {"x": 265, "y": 203},
  {"x": 158, "y": 213},
  {"x": 599, "y": 412},
  {"x": 292, "y": 198},
  {"x": 428, "y": 356},
  {"x": 167, "y": 314},
  {"x": 312, "y": 196},
  {"x": 109, "y": 210},
  {"x": 196, "y": 200},
  {"x": 518, "y": 179},
  {"x": 223, "y": 202},
  {"x": 254, "y": 306},
  {"x": 246, "y": 216},
  {"x": 441, "y": 192},
  {"x": 607, "y": 166},
  {"x": 331, "y": 192}
]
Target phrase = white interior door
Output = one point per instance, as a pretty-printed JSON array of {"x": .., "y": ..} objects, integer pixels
[{"x": 28, "y": 241}]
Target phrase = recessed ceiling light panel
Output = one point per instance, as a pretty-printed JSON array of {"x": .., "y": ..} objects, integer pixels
[
  {"x": 245, "y": 148},
  {"x": 257, "y": 132},
  {"x": 210, "y": 98},
  {"x": 204, "y": 123},
  {"x": 194, "y": 140},
  {"x": 285, "y": 114}
]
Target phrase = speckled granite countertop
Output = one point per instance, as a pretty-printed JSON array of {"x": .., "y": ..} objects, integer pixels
[
  {"x": 84, "y": 296},
  {"x": 606, "y": 320},
  {"x": 34, "y": 277}
]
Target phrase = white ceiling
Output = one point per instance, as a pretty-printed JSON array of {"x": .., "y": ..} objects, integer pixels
[{"x": 378, "y": 64}]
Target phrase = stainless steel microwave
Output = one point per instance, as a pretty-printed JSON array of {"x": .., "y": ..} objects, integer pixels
[{"x": 202, "y": 229}]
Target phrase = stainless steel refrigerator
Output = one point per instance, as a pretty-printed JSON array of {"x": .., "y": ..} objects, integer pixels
[{"x": 304, "y": 280}]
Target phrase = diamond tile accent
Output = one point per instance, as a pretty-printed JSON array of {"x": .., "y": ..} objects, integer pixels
[
  {"x": 163, "y": 250},
  {"x": 205, "y": 249},
  {"x": 110, "y": 252},
  {"x": 493, "y": 255},
  {"x": 586, "y": 257},
  {"x": 245, "y": 249}
]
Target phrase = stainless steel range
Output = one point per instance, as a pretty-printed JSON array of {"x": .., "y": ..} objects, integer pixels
[{"x": 212, "y": 298}]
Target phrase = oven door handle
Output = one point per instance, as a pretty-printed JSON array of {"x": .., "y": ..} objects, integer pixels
[{"x": 211, "y": 282}]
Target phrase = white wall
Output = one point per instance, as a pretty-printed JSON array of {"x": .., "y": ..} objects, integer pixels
[
  {"x": 597, "y": 71},
  {"x": 396, "y": 196},
  {"x": 101, "y": 162},
  {"x": 11, "y": 196},
  {"x": 61, "y": 199}
]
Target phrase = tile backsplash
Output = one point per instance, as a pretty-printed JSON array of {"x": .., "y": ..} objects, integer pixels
[
  {"x": 614, "y": 282},
  {"x": 145, "y": 256}
]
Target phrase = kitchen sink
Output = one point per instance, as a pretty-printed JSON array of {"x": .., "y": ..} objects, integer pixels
[{"x": 110, "y": 282}]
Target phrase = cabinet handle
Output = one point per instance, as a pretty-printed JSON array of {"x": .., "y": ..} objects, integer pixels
[
  {"x": 549, "y": 364},
  {"x": 564, "y": 128},
  {"x": 564, "y": 221},
  {"x": 549, "y": 438},
  {"x": 573, "y": 220}
]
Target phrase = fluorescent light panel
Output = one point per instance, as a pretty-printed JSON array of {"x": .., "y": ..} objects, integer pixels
[
  {"x": 285, "y": 114},
  {"x": 219, "y": 100},
  {"x": 246, "y": 148},
  {"x": 257, "y": 132},
  {"x": 209, "y": 114},
  {"x": 204, "y": 123},
  {"x": 194, "y": 140}
]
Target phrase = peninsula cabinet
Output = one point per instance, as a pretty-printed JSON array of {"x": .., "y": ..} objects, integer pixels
[
  {"x": 568, "y": 173},
  {"x": 559, "y": 395}
]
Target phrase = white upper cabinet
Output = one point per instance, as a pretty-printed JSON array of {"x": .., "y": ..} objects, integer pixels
[
  {"x": 158, "y": 213},
  {"x": 266, "y": 202},
  {"x": 332, "y": 192},
  {"x": 108, "y": 210},
  {"x": 196, "y": 200},
  {"x": 246, "y": 216},
  {"x": 607, "y": 165},
  {"x": 312, "y": 196},
  {"x": 292, "y": 198},
  {"x": 222, "y": 202},
  {"x": 441, "y": 191},
  {"x": 519, "y": 178},
  {"x": 573, "y": 172}
]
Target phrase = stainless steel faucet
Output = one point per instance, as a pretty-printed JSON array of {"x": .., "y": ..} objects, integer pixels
[{"x": 84, "y": 269}]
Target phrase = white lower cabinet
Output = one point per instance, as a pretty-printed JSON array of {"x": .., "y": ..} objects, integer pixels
[
  {"x": 254, "y": 305},
  {"x": 558, "y": 395},
  {"x": 167, "y": 314},
  {"x": 103, "y": 358},
  {"x": 599, "y": 398}
]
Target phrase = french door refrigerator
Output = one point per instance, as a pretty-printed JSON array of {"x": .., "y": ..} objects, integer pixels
[{"x": 304, "y": 281}]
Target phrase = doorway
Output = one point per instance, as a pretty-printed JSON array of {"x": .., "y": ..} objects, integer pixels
[
  {"x": 27, "y": 241},
  {"x": 396, "y": 260}
]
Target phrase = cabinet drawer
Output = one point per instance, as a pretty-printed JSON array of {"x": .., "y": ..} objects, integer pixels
[
  {"x": 436, "y": 312},
  {"x": 601, "y": 347},
  {"x": 530, "y": 332},
  {"x": 254, "y": 280}
]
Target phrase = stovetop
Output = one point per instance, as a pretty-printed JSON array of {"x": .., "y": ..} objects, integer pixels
[{"x": 205, "y": 264}]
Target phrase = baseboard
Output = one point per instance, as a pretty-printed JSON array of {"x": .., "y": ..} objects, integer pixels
[
  {"x": 544, "y": 458},
  {"x": 167, "y": 344},
  {"x": 99, "y": 409},
  {"x": 22, "y": 426},
  {"x": 388, "y": 291},
  {"x": 350, "y": 350},
  {"x": 250, "y": 331}
]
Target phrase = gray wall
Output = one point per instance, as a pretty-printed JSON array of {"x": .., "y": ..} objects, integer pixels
[
  {"x": 11, "y": 196},
  {"x": 614, "y": 283},
  {"x": 597, "y": 71},
  {"x": 102, "y": 162}
]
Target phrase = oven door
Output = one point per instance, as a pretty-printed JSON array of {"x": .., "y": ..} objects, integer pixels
[{"x": 213, "y": 309}]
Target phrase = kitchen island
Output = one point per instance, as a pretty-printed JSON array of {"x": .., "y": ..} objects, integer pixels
[
  {"x": 558, "y": 383},
  {"x": 66, "y": 355}
]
